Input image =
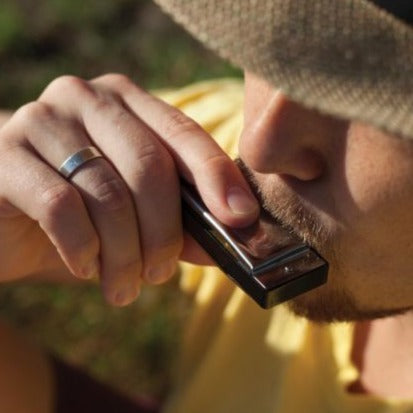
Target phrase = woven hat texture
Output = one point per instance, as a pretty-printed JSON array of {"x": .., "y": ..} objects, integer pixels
[{"x": 346, "y": 58}]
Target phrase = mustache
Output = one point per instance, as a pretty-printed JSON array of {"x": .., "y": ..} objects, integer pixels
[{"x": 285, "y": 208}]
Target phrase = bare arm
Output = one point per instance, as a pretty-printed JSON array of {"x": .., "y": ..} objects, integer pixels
[{"x": 28, "y": 387}]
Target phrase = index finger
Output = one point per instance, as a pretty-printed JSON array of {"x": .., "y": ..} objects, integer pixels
[{"x": 198, "y": 157}]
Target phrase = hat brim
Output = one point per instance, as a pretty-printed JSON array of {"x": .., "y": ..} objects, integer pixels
[{"x": 346, "y": 58}]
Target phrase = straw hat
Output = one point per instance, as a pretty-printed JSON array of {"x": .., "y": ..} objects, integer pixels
[{"x": 347, "y": 58}]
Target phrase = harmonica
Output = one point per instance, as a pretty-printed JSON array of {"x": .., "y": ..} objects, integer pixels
[{"x": 265, "y": 260}]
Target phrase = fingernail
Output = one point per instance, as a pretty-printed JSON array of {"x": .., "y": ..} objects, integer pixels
[
  {"x": 126, "y": 296},
  {"x": 91, "y": 270},
  {"x": 240, "y": 201},
  {"x": 162, "y": 272}
]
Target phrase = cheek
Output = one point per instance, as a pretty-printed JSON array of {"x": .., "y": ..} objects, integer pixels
[
  {"x": 377, "y": 171},
  {"x": 378, "y": 200},
  {"x": 375, "y": 200}
]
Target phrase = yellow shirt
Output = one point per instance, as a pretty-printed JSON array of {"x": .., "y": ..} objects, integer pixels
[{"x": 237, "y": 357}]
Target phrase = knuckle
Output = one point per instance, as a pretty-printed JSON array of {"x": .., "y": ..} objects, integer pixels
[
  {"x": 177, "y": 124},
  {"x": 116, "y": 79},
  {"x": 57, "y": 199},
  {"x": 216, "y": 162},
  {"x": 152, "y": 162},
  {"x": 33, "y": 112},
  {"x": 66, "y": 84},
  {"x": 112, "y": 195}
]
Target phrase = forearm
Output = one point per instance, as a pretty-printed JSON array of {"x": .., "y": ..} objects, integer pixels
[{"x": 26, "y": 376}]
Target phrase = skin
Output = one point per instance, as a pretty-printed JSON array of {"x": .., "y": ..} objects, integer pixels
[
  {"x": 28, "y": 388},
  {"x": 117, "y": 218},
  {"x": 344, "y": 187},
  {"x": 350, "y": 184}
]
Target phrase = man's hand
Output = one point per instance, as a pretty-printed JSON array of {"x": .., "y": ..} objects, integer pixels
[{"x": 117, "y": 217}]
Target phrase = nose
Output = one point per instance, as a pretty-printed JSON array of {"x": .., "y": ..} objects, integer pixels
[{"x": 283, "y": 137}]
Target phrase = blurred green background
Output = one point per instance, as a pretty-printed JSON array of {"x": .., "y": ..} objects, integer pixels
[
  {"x": 40, "y": 40},
  {"x": 132, "y": 348}
]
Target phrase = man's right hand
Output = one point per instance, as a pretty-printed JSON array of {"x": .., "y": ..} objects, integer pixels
[{"x": 117, "y": 217}]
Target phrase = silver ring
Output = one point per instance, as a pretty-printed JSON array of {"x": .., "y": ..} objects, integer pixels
[{"x": 78, "y": 159}]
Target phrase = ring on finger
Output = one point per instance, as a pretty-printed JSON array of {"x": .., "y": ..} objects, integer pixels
[{"x": 78, "y": 159}]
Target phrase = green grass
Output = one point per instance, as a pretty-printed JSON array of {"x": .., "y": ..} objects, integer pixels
[
  {"x": 47, "y": 38},
  {"x": 133, "y": 347}
]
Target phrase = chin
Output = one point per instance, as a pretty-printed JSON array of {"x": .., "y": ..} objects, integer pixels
[{"x": 327, "y": 304}]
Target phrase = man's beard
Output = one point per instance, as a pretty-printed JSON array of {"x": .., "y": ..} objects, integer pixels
[{"x": 332, "y": 301}]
